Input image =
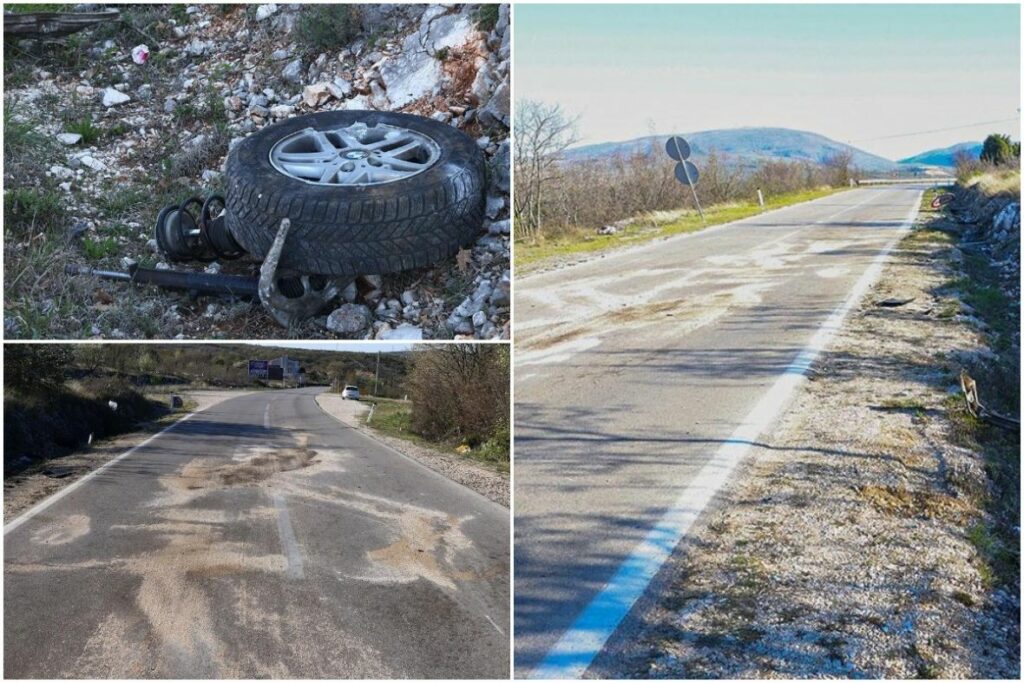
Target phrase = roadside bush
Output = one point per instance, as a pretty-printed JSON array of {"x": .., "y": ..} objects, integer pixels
[
  {"x": 461, "y": 392},
  {"x": 43, "y": 425},
  {"x": 585, "y": 195},
  {"x": 999, "y": 150},
  {"x": 320, "y": 28},
  {"x": 36, "y": 367}
]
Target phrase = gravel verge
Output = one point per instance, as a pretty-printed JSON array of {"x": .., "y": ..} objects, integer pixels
[
  {"x": 488, "y": 483},
  {"x": 849, "y": 546}
]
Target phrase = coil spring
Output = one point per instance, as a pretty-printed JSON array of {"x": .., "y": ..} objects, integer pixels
[{"x": 182, "y": 236}]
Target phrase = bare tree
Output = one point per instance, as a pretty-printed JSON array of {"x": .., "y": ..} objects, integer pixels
[
  {"x": 543, "y": 133},
  {"x": 839, "y": 168},
  {"x": 459, "y": 391}
]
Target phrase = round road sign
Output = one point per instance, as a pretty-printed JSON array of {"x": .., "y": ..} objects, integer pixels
[
  {"x": 677, "y": 148},
  {"x": 691, "y": 169}
]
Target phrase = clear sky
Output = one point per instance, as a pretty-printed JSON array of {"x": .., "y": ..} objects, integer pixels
[{"x": 854, "y": 73}]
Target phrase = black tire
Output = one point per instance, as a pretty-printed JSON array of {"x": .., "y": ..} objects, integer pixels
[{"x": 349, "y": 231}]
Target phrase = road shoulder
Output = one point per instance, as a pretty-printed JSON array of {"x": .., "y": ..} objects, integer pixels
[
  {"x": 27, "y": 489},
  {"x": 488, "y": 483},
  {"x": 848, "y": 547}
]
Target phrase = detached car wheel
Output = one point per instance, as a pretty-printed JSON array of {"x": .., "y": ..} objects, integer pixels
[{"x": 366, "y": 192}]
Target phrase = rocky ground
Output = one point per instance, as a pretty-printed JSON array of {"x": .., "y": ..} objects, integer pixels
[
  {"x": 96, "y": 144},
  {"x": 877, "y": 533}
]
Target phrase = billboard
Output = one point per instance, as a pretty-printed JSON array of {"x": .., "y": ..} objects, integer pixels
[
  {"x": 258, "y": 369},
  {"x": 289, "y": 366}
]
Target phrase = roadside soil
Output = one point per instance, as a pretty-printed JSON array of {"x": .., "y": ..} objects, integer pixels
[
  {"x": 852, "y": 545},
  {"x": 24, "y": 490},
  {"x": 95, "y": 145},
  {"x": 487, "y": 482}
]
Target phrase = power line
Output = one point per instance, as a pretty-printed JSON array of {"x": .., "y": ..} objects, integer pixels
[{"x": 935, "y": 130}]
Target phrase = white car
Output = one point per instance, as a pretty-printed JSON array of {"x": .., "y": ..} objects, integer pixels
[{"x": 350, "y": 392}]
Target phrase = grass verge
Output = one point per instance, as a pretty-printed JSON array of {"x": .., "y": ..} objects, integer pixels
[
  {"x": 530, "y": 256},
  {"x": 978, "y": 285},
  {"x": 393, "y": 417}
]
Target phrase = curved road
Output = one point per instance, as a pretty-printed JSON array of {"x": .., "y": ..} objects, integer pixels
[
  {"x": 642, "y": 380},
  {"x": 260, "y": 538}
]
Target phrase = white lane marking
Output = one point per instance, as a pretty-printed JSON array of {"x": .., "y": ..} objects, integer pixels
[
  {"x": 266, "y": 417},
  {"x": 287, "y": 534},
  {"x": 576, "y": 649},
  {"x": 32, "y": 512},
  {"x": 496, "y": 627}
]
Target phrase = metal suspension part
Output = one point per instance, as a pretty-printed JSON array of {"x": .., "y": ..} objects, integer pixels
[
  {"x": 182, "y": 235},
  {"x": 292, "y": 298}
]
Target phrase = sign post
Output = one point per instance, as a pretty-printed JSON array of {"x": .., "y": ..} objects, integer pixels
[{"x": 686, "y": 172}]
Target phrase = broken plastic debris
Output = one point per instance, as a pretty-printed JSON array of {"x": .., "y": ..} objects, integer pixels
[{"x": 140, "y": 53}]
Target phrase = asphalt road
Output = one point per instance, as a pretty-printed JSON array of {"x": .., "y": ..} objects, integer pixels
[
  {"x": 261, "y": 538},
  {"x": 634, "y": 371}
]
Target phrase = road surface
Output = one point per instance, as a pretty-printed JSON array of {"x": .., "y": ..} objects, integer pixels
[
  {"x": 260, "y": 538},
  {"x": 642, "y": 380}
]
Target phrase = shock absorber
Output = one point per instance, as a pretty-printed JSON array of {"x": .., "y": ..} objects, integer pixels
[{"x": 182, "y": 235}]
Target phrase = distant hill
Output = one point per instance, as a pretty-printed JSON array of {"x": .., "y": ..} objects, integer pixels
[
  {"x": 944, "y": 156},
  {"x": 746, "y": 146}
]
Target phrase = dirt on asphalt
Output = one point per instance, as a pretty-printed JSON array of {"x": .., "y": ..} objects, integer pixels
[{"x": 24, "y": 490}]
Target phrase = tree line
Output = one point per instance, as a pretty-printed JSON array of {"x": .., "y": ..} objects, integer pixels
[
  {"x": 998, "y": 152},
  {"x": 34, "y": 368},
  {"x": 554, "y": 197}
]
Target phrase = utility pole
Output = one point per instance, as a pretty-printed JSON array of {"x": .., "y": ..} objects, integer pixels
[{"x": 376, "y": 379}]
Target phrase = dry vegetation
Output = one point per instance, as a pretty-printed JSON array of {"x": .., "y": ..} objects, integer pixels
[
  {"x": 564, "y": 203},
  {"x": 458, "y": 398}
]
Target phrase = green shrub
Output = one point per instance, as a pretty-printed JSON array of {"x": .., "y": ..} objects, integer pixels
[
  {"x": 84, "y": 127},
  {"x": 487, "y": 17},
  {"x": 30, "y": 209},
  {"x": 98, "y": 249},
  {"x": 999, "y": 150},
  {"x": 321, "y": 28}
]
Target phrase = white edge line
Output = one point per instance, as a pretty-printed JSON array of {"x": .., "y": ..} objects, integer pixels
[
  {"x": 574, "y": 652},
  {"x": 33, "y": 511},
  {"x": 409, "y": 458}
]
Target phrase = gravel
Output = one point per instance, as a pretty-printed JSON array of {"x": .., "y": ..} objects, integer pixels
[
  {"x": 843, "y": 550},
  {"x": 219, "y": 58},
  {"x": 487, "y": 482}
]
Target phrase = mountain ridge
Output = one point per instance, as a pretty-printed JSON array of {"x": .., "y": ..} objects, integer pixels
[
  {"x": 751, "y": 144},
  {"x": 944, "y": 156}
]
